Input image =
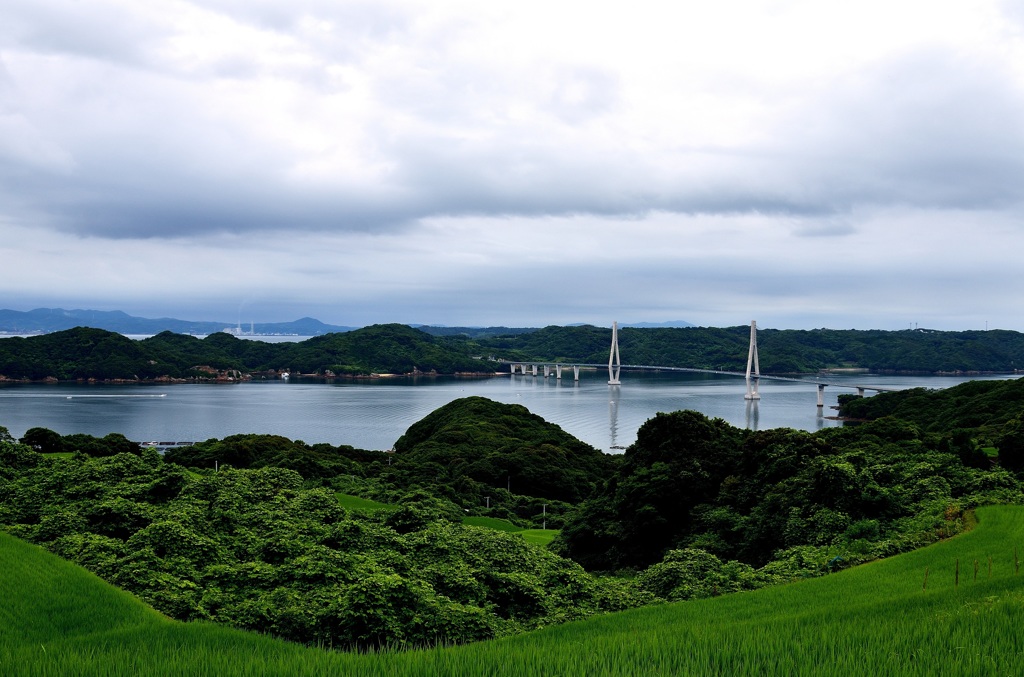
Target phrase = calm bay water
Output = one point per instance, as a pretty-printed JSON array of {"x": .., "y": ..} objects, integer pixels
[{"x": 373, "y": 415}]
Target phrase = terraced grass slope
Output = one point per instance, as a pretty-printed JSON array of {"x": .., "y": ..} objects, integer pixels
[
  {"x": 877, "y": 619},
  {"x": 539, "y": 537}
]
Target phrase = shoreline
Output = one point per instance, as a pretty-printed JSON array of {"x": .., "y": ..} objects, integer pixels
[
  {"x": 163, "y": 380},
  {"x": 273, "y": 375}
]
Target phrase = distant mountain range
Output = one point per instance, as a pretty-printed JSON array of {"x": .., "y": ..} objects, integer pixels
[
  {"x": 46, "y": 320},
  {"x": 657, "y": 325}
]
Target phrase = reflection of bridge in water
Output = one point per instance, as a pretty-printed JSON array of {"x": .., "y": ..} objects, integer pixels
[{"x": 752, "y": 375}]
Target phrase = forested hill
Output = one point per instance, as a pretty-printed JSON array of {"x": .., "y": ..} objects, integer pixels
[
  {"x": 780, "y": 350},
  {"x": 84, "y": 353},
  {"x": 502, "y": 445},
  {"x": 994, "y": 410}
]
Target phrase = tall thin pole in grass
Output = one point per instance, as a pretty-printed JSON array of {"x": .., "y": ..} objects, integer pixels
[
  {"x": 975, "y": 570},
  {"x": 956, "y": 576},
  {"x": 925, "y": 586},
  {"x": 1016, "y": 562}
]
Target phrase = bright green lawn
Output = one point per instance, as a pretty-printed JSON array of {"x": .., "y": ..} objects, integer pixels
[
  {"x": 57, "y": 619},
  {"x": 539, "y": 537},
  {"x": 356, "y": 504}
]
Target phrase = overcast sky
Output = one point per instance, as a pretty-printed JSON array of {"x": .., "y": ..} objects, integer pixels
[{"x": 802, "y": 163}]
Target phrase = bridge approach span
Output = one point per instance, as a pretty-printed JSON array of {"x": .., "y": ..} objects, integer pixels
[{"x": 693, "y": 370}]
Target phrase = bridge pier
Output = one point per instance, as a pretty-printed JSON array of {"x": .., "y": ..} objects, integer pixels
[
  {"x": 860, "y": 391},
  {"x": 549, "y": 369},
  {"x": 575, "y": 371},
  {"x": 821, "y": 395}
]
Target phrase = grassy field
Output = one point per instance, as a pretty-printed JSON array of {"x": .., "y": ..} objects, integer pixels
[
  {"x": 539, "y": 537},
  {"x": 356, "y": 504},
  {"x": 878, "y": 619}
]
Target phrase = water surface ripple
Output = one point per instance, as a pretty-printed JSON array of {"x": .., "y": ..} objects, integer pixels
[{"x": 374, "y": 414}]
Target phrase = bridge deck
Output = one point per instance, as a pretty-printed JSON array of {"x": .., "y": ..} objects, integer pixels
[{"x": 693, "y": 370}]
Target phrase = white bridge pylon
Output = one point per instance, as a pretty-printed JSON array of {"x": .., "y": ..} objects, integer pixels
[
  {"x": 752, "y": 393},
  {"x": 614, "y": 361}
]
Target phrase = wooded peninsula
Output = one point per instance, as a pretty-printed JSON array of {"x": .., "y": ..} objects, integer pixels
[{"x": 85, "y": 353}]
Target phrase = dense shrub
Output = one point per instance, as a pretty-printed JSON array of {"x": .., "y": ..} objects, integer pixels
[{"x": 254, "y": 549}]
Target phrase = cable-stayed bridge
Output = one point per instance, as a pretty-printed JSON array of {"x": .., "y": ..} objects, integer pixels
[{"x": 752, "y": 375}]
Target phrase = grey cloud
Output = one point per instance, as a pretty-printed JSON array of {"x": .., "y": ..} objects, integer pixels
[
  {"x": 103, "y": 31},
  {"x": 130, "y": 36},
  {"x": 930, "y": 128},
  {"x": 337, "y": 32},
  {"x": 376, "y": 20},
  {"x": 824, "y": 227},
  {"x": 192, "y": 209},
  {"x": 26, "y": 154}
]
